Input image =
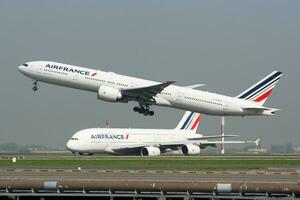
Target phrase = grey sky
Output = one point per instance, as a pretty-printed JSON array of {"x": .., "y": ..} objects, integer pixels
[{"x": 227, "y": 45}]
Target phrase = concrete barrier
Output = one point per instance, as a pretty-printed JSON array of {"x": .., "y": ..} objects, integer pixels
[{"x": 149, "y": 185}]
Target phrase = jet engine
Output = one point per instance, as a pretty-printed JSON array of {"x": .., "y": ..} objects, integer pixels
[
  {"x": 190, "y": 149},
  {"x": 150, "y": 151},
  {"x": 110, "y": 94}
]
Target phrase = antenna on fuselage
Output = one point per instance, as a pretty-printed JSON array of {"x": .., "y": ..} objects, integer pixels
[{"x": 107, "y": 125}]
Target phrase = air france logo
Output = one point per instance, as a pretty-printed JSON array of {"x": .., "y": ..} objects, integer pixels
[
  {"x": 94, "y": 74},
  {"x": 69, "y": 69},
  {"x": 109, "y": 136}
]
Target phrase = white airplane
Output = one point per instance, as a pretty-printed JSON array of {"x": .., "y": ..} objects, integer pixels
[
  {"x": 146, "y": 142},
  {"x": 113, "y": 87}
]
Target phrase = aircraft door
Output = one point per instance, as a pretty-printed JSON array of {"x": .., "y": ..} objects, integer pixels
[
  {"x": 40, "y": 67},
  {"x": 132, "y": 85},
  {"x": 179, "y": 96},
  {"x": 225, "y": 106}
]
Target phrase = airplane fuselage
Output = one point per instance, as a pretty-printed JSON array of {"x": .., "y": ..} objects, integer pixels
[
  {"x": 172, "y": 96},
  {"x": 120, "y": 141}
]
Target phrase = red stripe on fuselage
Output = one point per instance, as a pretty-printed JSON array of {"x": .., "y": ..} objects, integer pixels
[
  {"x": 196, "y": 122},
  {"x": 263, "y": 96}
]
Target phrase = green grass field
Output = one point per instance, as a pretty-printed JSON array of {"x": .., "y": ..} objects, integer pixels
[{"x": 157, "y": 164}]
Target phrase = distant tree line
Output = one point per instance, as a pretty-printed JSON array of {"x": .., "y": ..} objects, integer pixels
[
  {"x": 287, "y": 148},
  {"x": 15, "y": 148}
]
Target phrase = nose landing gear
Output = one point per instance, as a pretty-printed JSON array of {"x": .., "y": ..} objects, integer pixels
[
  {"x": 145, "y": 110},
  {"x": 35, "y": 86}
]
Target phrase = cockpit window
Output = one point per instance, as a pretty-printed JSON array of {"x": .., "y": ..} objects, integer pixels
[
  {"x": 26, "y": 65},
  {"x": 73, "y": 138}
]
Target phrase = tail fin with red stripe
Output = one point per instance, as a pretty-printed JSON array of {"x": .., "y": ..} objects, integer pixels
[
  {"x": 261, "y": 90},
  {"x": 189, "y": 121}
]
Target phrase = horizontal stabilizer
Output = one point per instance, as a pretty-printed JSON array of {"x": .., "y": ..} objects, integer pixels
[
  {"x": 195, "y": 86},
  {"x": 255, "y": 108},
  {"x": 262, "y": 110}
]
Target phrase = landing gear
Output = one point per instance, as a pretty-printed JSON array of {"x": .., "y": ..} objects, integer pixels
[
  {"x": 145, "y": 110},
  {"x": 35, "y": 86},
  {"x": 136, "y": 109}
]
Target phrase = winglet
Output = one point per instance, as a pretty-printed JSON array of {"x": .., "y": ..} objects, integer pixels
[{"x": 257, "y": 142}]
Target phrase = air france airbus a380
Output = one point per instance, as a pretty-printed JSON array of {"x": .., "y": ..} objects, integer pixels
[
  {"x": 147, "y": 142},
  {"x": 113, "y": 87}
]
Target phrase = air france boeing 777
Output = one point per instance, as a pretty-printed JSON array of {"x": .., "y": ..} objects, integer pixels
[
  {"x": 113, "y": 87},
  {"x": 147, "y": 142}
]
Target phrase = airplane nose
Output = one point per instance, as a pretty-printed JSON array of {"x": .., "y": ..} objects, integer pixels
[
  {"x": 68, "y": 145},
  {"x": 20, "y": 68}
]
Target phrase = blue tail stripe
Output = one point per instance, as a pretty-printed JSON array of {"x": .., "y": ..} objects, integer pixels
[
  {"x": 190, "y": 121},
  {"x": 260, "y": 85},
  {"x": 263, "y": 88},
  {"x": 187, "y": 120}
]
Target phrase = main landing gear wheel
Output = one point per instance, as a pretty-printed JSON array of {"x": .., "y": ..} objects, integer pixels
[
  {"x": 143, "y": 110},
  {"x": 35, "y": 86}
]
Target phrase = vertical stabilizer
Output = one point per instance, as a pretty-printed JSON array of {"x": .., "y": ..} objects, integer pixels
[
  {"x": 261, "y": 90},
  {"x": 189, "y": 121}
]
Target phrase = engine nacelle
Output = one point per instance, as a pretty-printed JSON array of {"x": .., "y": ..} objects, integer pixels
[
  {"x": 110, "y": 94},
  {"x": 190, "y": 149},
  {"x": 150, "y": 151}
]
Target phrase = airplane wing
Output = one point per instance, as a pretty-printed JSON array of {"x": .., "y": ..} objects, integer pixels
[
  {"x": 145, "y": 93},
  {"x": 208, "y": 143},
  {"x": 211, "y": 137},
  {"x": 134, "y": 148}
]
